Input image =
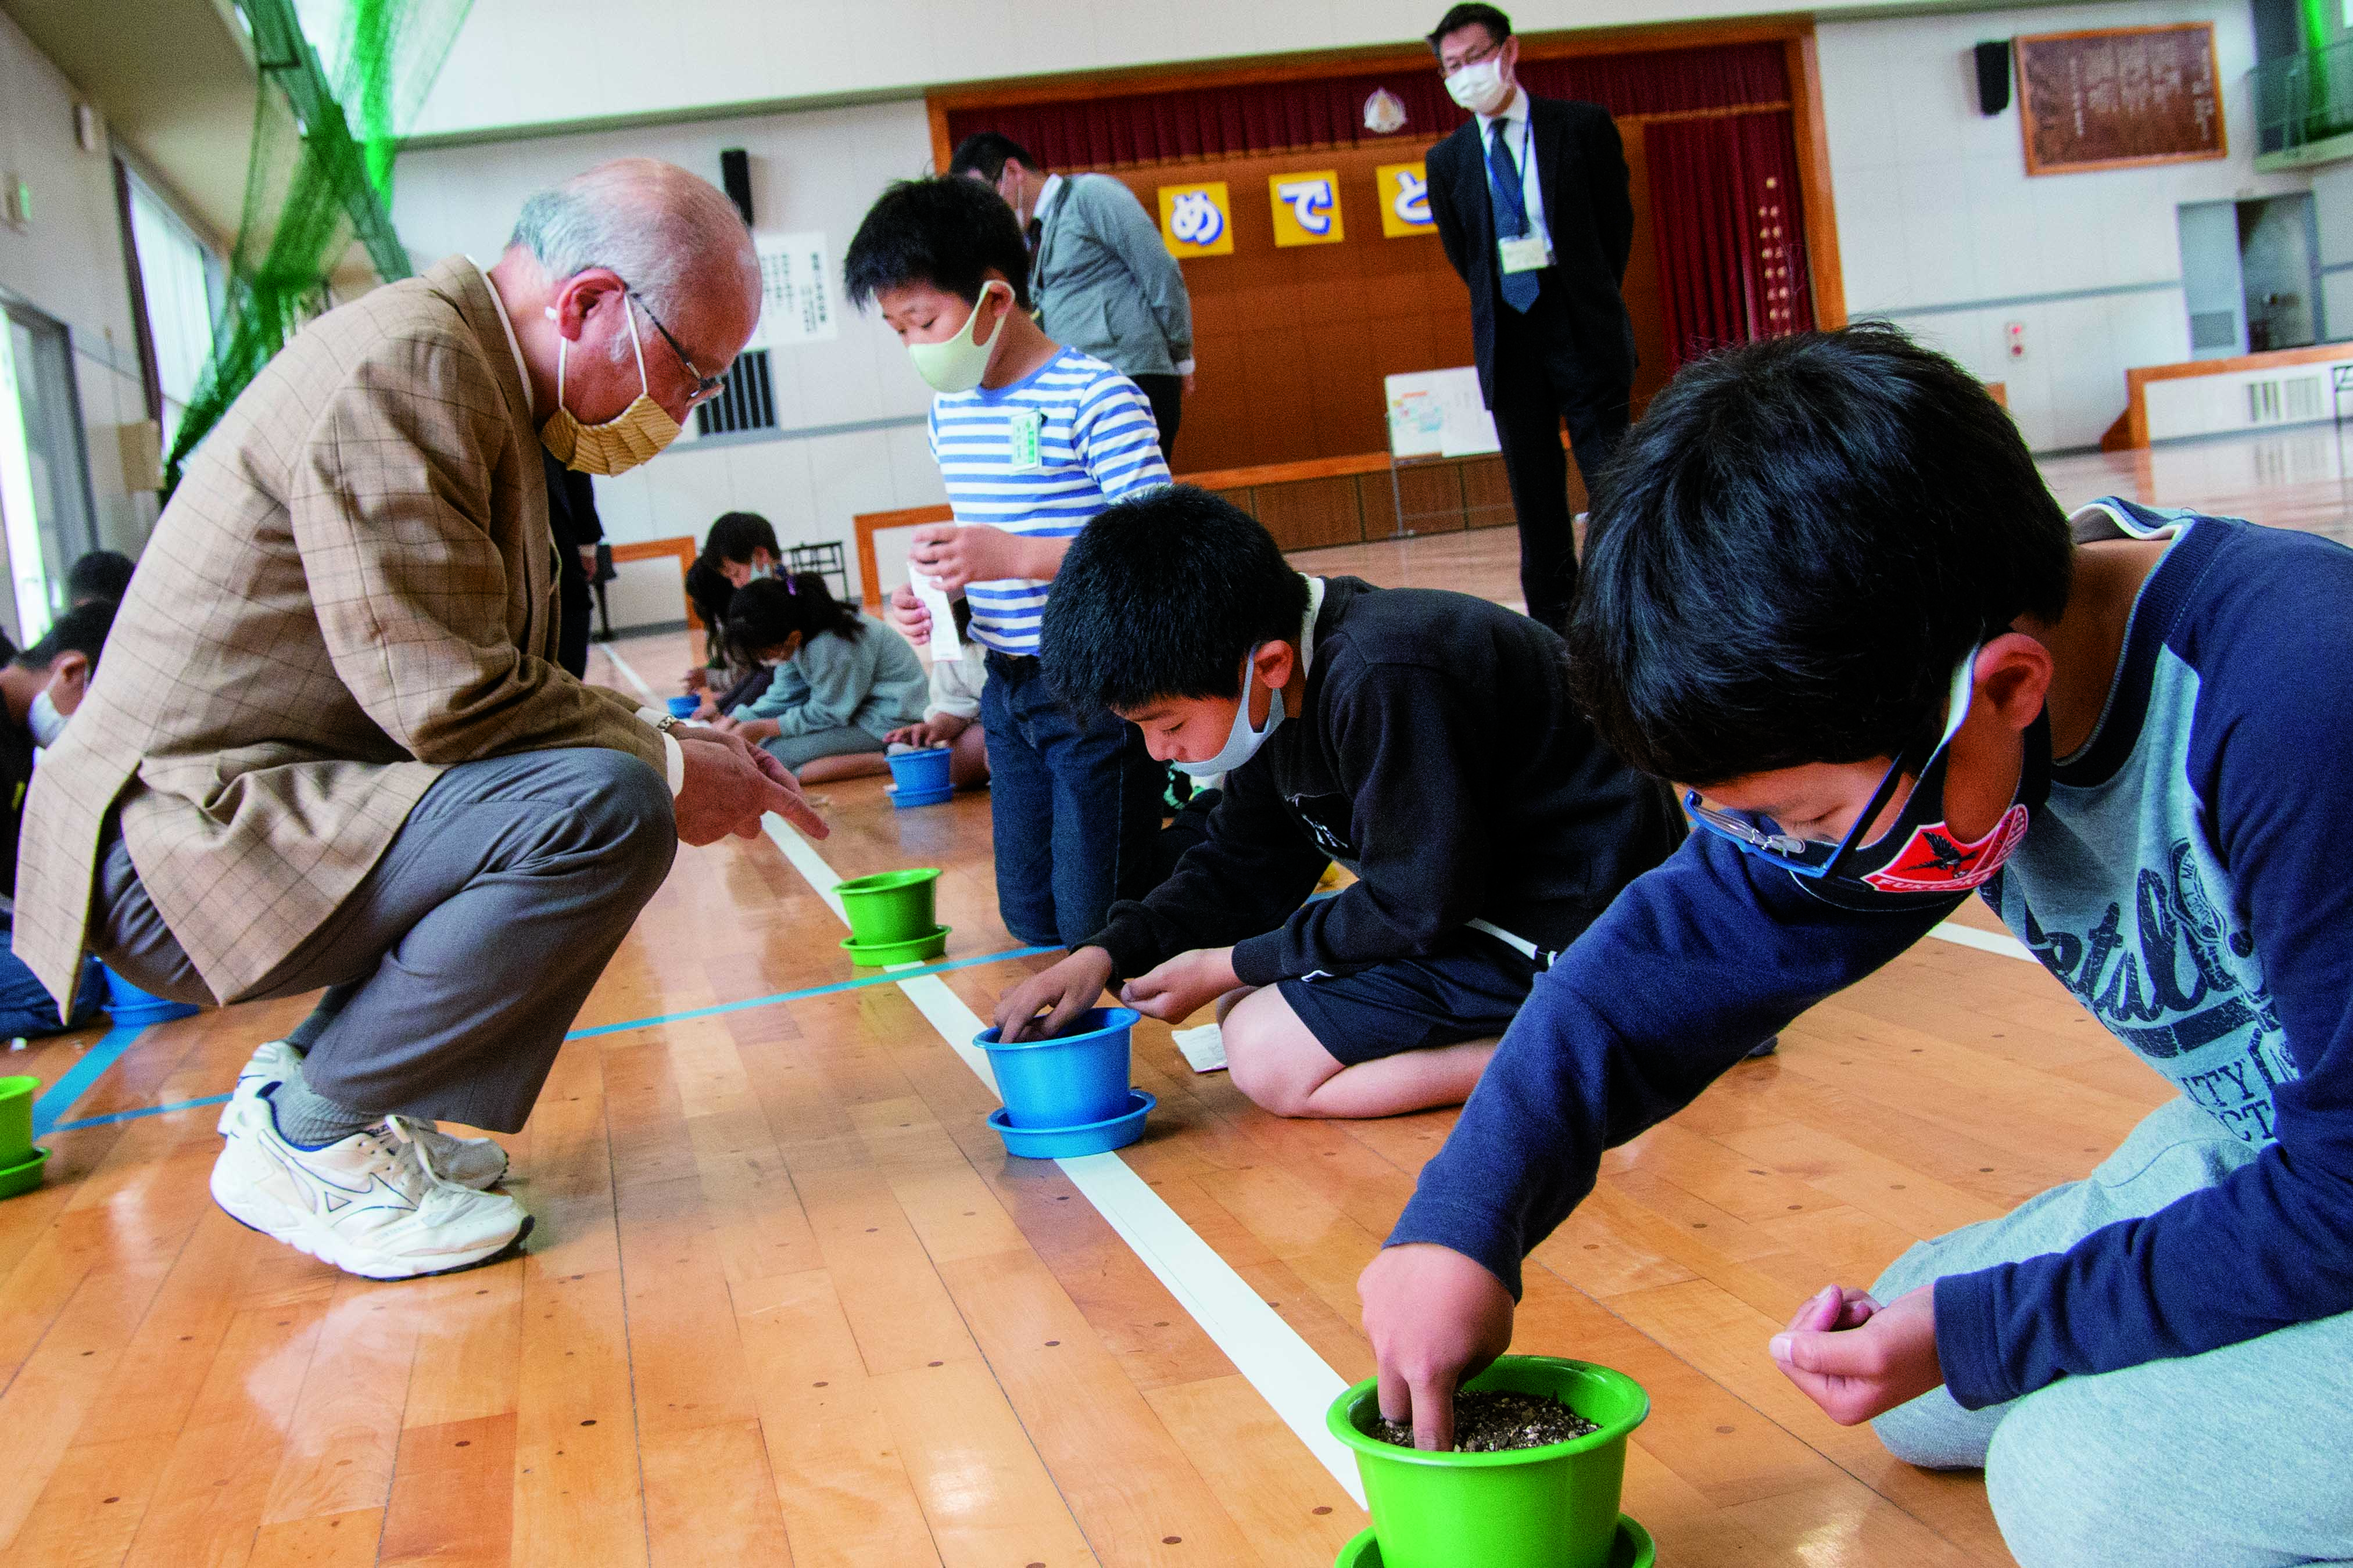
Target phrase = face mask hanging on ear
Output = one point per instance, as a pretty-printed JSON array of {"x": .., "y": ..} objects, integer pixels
[
  {"x": 959, "y": 363},
  {"x": 632, "y": 437},
  {"x": 1243, "y": 742},
  {"x": 44, "y": 719}
]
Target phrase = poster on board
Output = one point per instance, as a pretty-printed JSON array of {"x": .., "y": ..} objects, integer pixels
[
  {"x": 2119, "y": 97},
  {"x": 797, "y": 301},
  {"x": 1439, "y": 414}
]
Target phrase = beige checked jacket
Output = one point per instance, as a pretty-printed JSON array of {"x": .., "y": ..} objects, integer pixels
[{"x": 353, "y": 589}]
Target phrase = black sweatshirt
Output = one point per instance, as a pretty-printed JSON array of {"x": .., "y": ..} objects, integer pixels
[{"x": 1441, "y": 756}]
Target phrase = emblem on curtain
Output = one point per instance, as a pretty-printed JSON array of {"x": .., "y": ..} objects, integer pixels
[
  {"x": 1384, "y": 112},
  {"x": 1197, "y": 220},
  {"x": 1404, "y": 199},
  {"x": 1306, "y": 207}
]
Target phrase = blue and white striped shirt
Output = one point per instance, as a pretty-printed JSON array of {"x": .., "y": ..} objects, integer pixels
[{"x": 1096, "y": 443}]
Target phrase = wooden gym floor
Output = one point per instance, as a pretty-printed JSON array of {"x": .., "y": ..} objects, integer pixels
[{"x": 788, "y": 1302}]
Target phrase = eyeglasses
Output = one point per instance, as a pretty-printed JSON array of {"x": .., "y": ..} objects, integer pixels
[
  {"x": 1766, "y": 839},
  {"x": 1473, "y": 57},
  {"x": 705, "y": 386}
]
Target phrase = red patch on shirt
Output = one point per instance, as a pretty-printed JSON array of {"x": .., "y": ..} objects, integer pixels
[{"x": 1932, "y": 862}]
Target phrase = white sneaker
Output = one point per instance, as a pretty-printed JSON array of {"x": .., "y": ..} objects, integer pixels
[
  {"x": 476, "y": 1163},
  {"x": 371, "y": 1203}
]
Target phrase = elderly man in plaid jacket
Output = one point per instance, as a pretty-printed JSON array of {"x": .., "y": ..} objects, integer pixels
[{"x": 333, "y": 747}]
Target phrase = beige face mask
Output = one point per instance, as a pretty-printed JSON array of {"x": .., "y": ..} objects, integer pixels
[{"x": 630, "y": 438}]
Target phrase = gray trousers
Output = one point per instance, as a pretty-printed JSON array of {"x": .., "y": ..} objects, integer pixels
[
  {"x": 455, "y": 968},
  {"x": 843, "y": 740},
  {"x": 2234, "y": 1458}
]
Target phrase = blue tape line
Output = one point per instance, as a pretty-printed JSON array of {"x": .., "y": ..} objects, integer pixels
[
  {"x": 50, "y": 1106},
  {"x": 888, "y": 978},
  {"x": 110, "y": 1047},
  {"x": 112, "y": 1117}
]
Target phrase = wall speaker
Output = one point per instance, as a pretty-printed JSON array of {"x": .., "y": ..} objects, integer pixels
[
  {"x": 1993, "y": 76},
  {"x": 735, "y": 171}
]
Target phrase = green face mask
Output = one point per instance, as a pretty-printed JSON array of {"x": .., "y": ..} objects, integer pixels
[{"x": 958, "y": 365}]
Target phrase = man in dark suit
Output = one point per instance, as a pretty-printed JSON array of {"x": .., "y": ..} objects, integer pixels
[{"x": 1532, "y": 206}]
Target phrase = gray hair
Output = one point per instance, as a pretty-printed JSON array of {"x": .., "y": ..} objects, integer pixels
[{"x": 666, "y": 232}]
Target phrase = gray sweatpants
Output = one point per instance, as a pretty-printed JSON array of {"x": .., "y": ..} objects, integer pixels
[
  {"x": 843, "y": 740},
  {"x": 2236, "y": 1458},
  {"x": 458, "y": 965}
]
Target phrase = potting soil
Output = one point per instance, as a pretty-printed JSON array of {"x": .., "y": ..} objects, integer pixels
[{"x": 1495, "y": 1421}]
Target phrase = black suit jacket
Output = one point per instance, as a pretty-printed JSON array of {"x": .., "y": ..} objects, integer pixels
[{"x": 1591, "y": 215}]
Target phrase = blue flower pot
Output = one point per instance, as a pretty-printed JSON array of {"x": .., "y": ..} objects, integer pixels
[
  {"x": 1074, "y": 1079},
  {"x": 685, "y": 707},
  {"x": 905, "y": 799},
  {"x": 1068, "y": 1143},
  {"x": 922, "y": 774},
  {"x": 129, "y": 1005}
]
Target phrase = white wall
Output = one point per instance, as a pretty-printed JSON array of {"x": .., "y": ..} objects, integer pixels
[
  {"x": 1941, "y": 229},
  {"x": 69, "y": 264},
  {"x": 853, "y": 409},
  {"x": 548, "y": 62}
]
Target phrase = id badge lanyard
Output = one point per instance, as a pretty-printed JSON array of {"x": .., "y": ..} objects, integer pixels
[{"x": 1532, "y": 251}]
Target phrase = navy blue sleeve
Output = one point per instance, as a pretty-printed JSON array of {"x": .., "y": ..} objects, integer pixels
[
  {"x": 1693, "y": 964},
  {"x": 2271, "y": 1244}
]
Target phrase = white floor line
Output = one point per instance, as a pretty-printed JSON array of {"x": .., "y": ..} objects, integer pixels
[
  {"x": 807, "y": 862},
  {"x": 628, "y": 674},
  {"x": 1985, "y": 941},
  {"x": 1295, "y": 1382}
]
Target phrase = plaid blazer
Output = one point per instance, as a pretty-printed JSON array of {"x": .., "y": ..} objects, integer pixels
[{"x": 353, "y": 589}]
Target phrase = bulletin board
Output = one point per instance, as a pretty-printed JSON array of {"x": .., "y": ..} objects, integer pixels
[{"x": 2119, "y": 98}]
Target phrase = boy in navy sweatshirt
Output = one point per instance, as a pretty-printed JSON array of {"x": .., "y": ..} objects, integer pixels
[
  {"x": 1426, "y": 740},
  {"x": 1829, "y": 590}
]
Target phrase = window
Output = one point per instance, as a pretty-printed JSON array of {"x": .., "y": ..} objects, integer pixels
[
  {"x": 45, "y": 504},
  {"x": 183, "y": 282},
  {"x": 745, "y": 403}
]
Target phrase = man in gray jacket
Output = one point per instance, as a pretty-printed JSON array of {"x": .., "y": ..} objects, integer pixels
[{"x": 1104, "y": 283}]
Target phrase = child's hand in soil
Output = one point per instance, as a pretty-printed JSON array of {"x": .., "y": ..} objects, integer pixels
[
  {"x": 1183, "y": 985},
  {"x": 1435, "y": 1317},
  {"x": 1857, "y": 1359},
  {"x": 1063, "y": 991}
]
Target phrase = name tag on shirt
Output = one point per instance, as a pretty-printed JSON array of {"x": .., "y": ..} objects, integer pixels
[
  {"x": 1528, "y": 253},
  {"x": 1023, "y": 428}
]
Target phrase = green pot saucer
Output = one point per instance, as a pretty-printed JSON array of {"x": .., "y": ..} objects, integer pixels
[
  {"x": 914, "y": 950},
  {"x": 1632, "y": 1549},
  {"x": 24, "y": 1176}
]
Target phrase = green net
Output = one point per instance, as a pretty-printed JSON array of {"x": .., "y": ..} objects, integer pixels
[{"x": 325, "y": 135}]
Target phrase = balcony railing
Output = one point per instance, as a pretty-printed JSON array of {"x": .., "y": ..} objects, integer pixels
[{"x": 2303, "y": 99}]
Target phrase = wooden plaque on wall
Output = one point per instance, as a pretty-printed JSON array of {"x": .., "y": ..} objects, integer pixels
[{"x": 2119, "y": 97}]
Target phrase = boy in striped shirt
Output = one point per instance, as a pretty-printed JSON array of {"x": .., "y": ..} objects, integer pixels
[{"x": 1032, "y": 439}]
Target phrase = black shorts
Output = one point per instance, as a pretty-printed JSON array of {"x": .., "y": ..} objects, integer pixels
[{"x": 1469, "y": 989}]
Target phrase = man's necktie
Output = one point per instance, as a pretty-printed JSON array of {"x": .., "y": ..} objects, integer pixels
[
  {"x": 1031, "y": 234},
  {"x": 1511, "y": 209}
]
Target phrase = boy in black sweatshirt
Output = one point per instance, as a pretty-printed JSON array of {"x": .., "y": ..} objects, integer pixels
[{"x": 1425, "y": 740}]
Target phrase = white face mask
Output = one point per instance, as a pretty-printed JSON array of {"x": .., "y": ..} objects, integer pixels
[
  {"x": 1480, "y": 88},
  {"x": 959, "y": 363},
  {"x": 1241, "y": 741},
  {"x": 44, "y": 719}
]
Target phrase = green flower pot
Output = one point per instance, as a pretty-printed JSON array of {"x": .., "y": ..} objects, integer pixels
[
  {"x": 1554, "y": 1506},
  {"x": 16, "y": 1119},
  {"x": 890, "y": 906}
]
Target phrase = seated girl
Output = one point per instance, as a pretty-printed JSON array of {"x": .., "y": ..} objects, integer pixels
[
  {"x": 843, "y": 680},
  {"x": 740, "y": 547}
]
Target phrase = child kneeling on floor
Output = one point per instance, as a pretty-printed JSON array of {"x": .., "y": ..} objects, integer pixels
[
  {"x": 1829, "y": 588},
  {"x": 1424, "y": 738},
  {"x": 843, "y": 680}
]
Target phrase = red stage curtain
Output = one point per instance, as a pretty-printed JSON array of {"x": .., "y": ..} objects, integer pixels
[
  {"x": 1196, "y": 123},
  {"x": 1731, "y": 240}
]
